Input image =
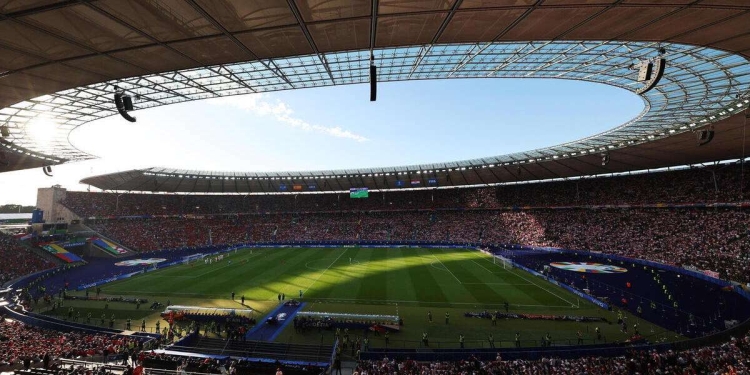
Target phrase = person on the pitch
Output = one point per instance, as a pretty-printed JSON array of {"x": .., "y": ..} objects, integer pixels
[
  {"x": 506, "y": 306},
  {"x": 447, "y": 317},
  {"x": 518, "y": 340},
  {"x": 425, "y": 342},
  {"x": 461, "y": 340},
  {"x": 491, "y": 339},
  {"x": 232, "y": 296},
  {"x": 429, "y": 316},
  {"x": 494, "y": 319}
]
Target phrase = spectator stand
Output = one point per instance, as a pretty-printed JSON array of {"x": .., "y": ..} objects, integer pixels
[
  {"x": 688, "y": 302},
  {"x": 259, "y": 353},
  {"x": 526, "y": 251},
  {"x": 54, "y": 324}
]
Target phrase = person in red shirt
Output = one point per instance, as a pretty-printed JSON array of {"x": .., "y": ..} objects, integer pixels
[{"x": 139, "y": 369}]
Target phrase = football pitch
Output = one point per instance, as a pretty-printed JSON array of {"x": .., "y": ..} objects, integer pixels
[
  {"x": 420, "y": 277},
  {"x": 407, "y": 282}
]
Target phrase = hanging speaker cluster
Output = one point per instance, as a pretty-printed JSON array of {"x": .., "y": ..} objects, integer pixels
[
  {"x": 650, "y": 73},
  {"x": 605, "y": 159},
  {"x": 704, "y": 136},
  {"x": 124, "y": 103},
  {"x": 47, "y": 170},
  {"x": 4, "y": 131},
  {"x": 373, "y": 79}
]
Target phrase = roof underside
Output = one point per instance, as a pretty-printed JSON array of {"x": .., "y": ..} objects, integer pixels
[{"x": 60, "y": 60}]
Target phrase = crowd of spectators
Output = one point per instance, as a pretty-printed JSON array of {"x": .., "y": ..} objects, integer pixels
[
  {"x": 183, "y": 364},
  {"x": 715, "y": 240},
  {"x": 21, "y": 343},
  {"x": 700, "y": 238},
  {"x": 17, "y": 261},
  {"x": 729, "y": 358},
  {"x": 696, "y": 185}
]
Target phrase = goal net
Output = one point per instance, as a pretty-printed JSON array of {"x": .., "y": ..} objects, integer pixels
[
  {"x": 498, "y": 260},
  {"x": 192, "y": 258},
  {"x": 502, "y": 261}
]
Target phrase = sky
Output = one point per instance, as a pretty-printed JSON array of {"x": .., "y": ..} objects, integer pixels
[{"x": 338, "y": 127}]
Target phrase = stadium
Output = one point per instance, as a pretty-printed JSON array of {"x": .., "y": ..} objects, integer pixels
[{"x": 626, "y": 251}]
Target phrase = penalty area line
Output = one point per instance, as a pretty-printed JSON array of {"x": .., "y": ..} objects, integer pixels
[
  {"x": 487, "y": 269},
  {"x": 324, "y": 271},
  {"x": 222, "y": 267},
  {"x": 544, "y": 289},
  {"x": 446, "y": 268}
]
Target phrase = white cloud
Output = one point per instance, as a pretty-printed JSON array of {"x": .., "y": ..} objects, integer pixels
[{"x": 259, "y": 104}]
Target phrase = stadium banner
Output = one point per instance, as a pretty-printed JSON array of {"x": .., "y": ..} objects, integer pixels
[{"x": 73, "y": 244}]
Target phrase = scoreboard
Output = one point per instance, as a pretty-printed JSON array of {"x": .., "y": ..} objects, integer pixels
[{"x": 359, "y": 192}]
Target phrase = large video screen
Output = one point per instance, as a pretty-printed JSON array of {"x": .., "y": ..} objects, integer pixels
[{"x": 359, "y": 193}]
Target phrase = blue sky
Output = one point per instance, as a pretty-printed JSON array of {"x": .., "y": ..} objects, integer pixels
[{"x": 337, "y": 127}]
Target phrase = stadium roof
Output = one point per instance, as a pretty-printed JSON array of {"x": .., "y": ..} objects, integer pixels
[{"x": 60, "y": 61}]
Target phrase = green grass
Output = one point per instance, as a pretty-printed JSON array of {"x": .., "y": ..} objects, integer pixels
[{"x": 405, "y": 282}]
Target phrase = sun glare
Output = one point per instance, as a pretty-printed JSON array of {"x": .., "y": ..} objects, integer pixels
[{"x": 42, "y": 130}]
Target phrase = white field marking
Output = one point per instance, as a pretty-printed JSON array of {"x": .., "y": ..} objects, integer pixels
[
  {"x": 333, "y": 300},
  {"x": 171, "y": 276},
  {"x": 500, "y": 266},
  {"x": 438, "y": 268},
  {"x": 324, "y": 271},
  {"x": 540, "y": 287},
  {"x": 446, "y": 268},
  {"x": 135, "y": 292},
  {"x": 224, "y": 266},
  {"x": 307, "y": 265},
  {"x": 202, "y": 266},
  {"x": 354, "y": 263},
  {"x": 508, "y": 284},
  {"x": 487, "y": 269}
]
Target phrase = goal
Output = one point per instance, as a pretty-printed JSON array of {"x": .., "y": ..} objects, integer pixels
[{"x": 504, "y": 262}]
